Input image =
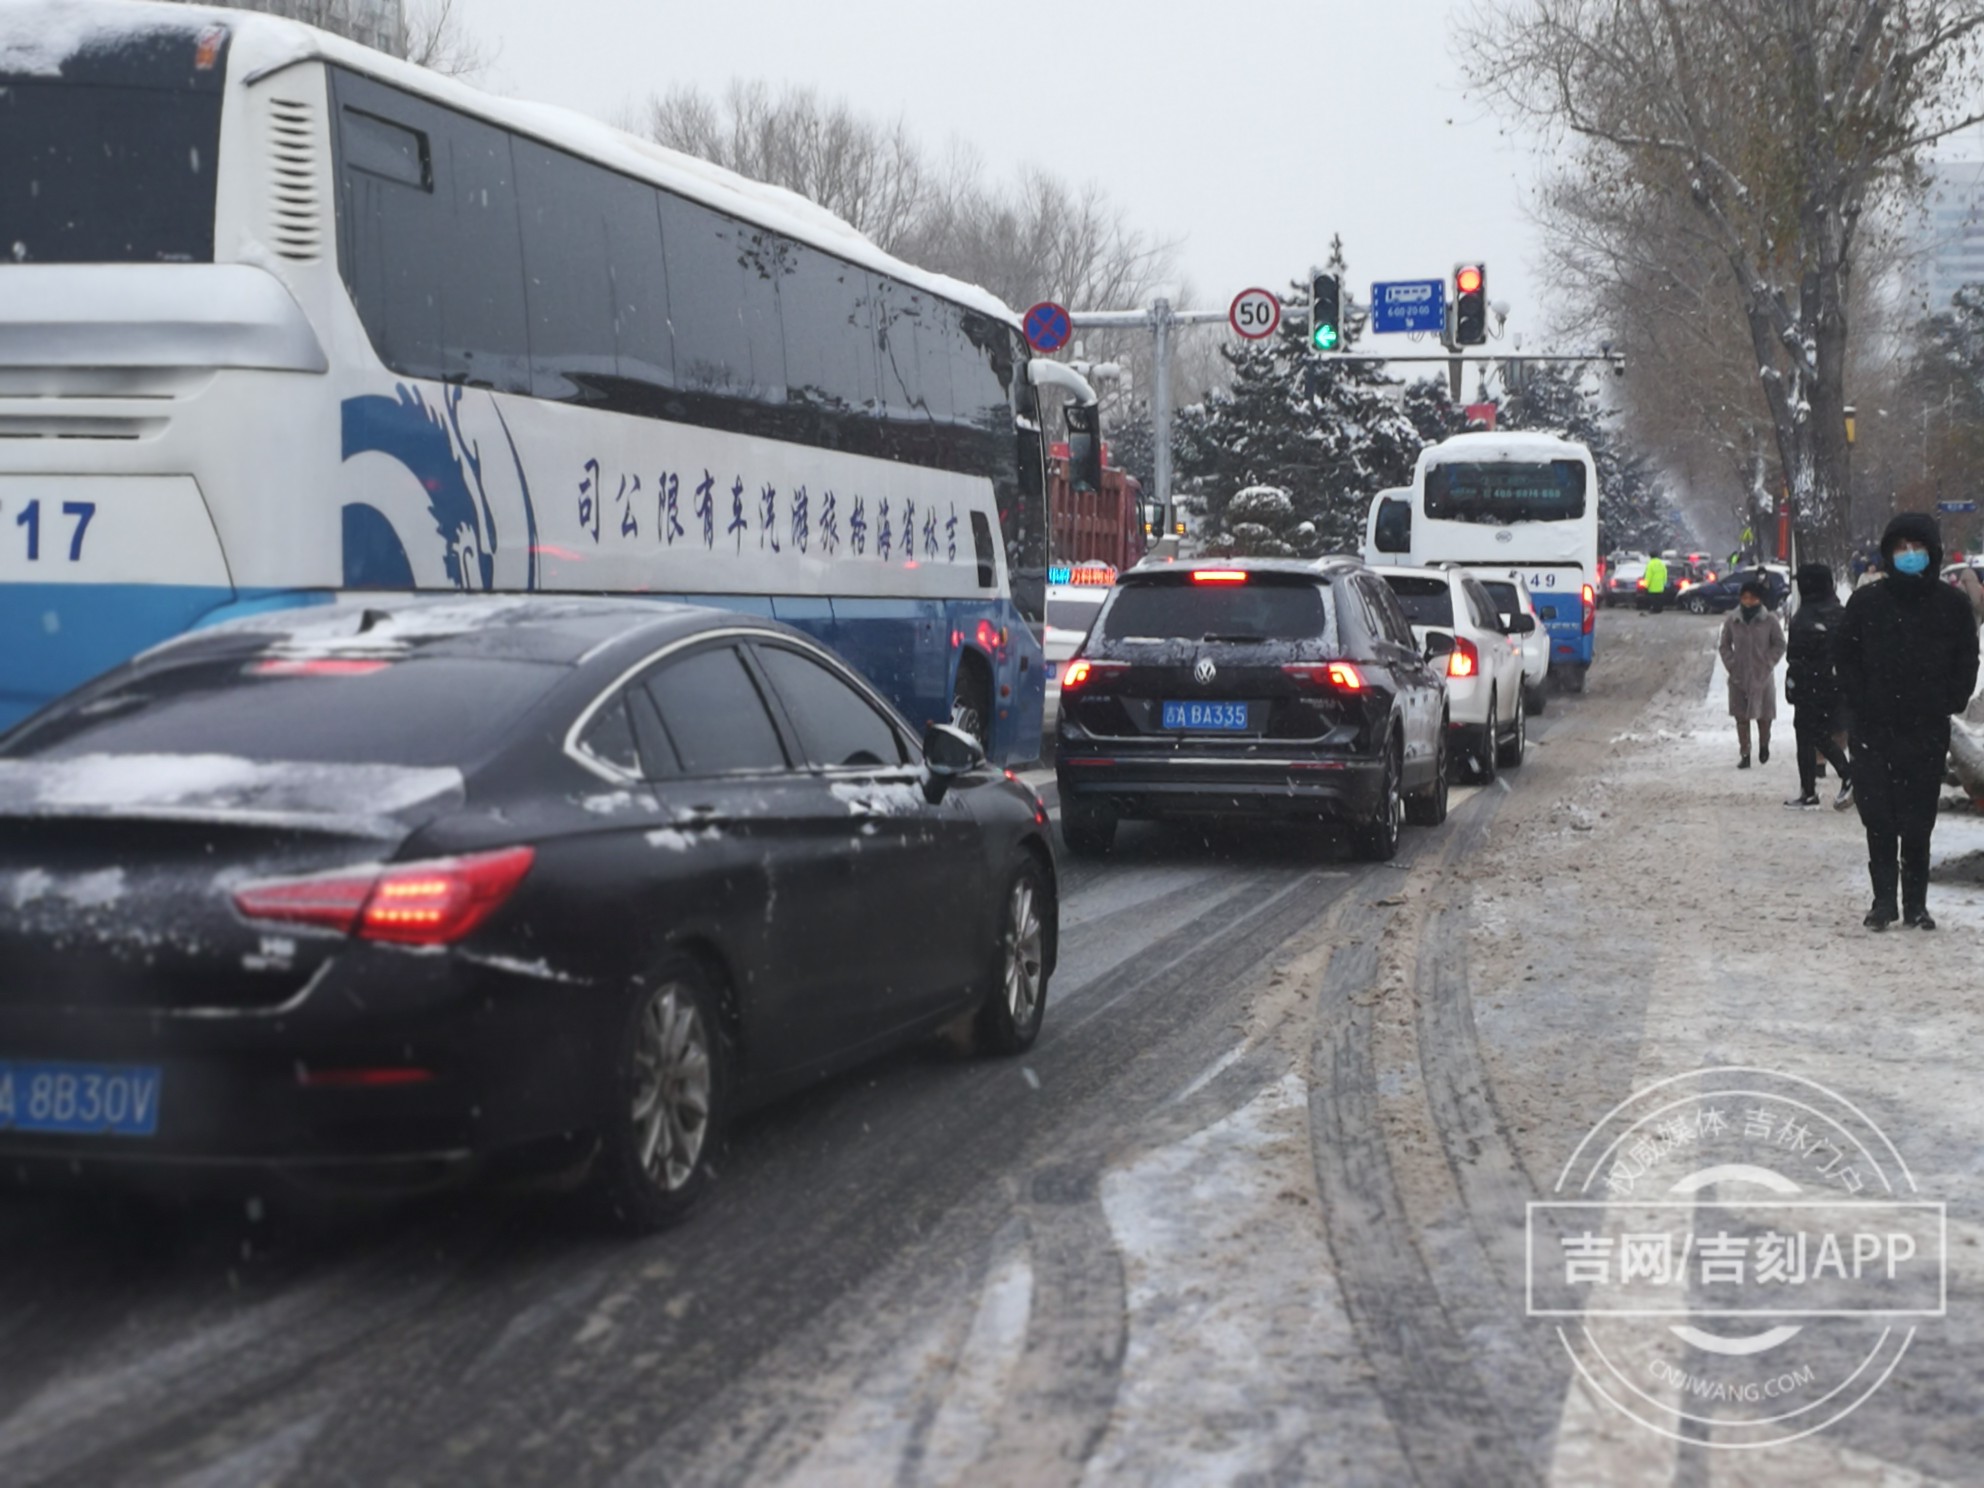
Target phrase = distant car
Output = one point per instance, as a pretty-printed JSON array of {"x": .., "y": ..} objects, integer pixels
[
  {"x": 1485, "y": 708},
  {"x": 1510, "y": 591},
  {"x": 1623, "y": 579},
  {"x": 1071, "y": 610},
  {"x": 1722, "y": 594},
  {"x": 1252, "y": 688},
  {"x": 400, "y": 888}
]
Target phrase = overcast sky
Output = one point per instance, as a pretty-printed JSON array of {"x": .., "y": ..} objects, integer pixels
[{"x": 1248, "y": 130}]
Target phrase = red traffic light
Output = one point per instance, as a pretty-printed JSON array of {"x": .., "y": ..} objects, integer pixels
[{"x": 1467, "y": 279}]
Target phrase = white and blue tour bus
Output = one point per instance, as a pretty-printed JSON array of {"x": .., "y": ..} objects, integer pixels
[
  {"x": 1517, "y": 500},
  {"x": 282, "y": 318}
]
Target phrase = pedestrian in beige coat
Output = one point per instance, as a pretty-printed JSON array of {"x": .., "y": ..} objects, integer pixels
[{"x": 1752, "y": 645}]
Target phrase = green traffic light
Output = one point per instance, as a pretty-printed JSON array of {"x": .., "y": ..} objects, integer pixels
[{"x": 1326, "y": 338}]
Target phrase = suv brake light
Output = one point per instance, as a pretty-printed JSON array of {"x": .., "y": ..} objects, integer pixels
[
  {"x": 429, "y": 904},
  {"x": 1465, "y": 659},
  {"x": 1341, "y": 675},
  {"x": 1219, "y": 576},
  {"x": 1081, "y": 670}
]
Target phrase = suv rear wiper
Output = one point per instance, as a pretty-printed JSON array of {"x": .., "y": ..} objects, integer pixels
[{"x": 1212, "y": 636}]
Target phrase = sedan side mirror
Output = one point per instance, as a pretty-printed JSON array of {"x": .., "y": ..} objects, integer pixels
[
  {"x": 1439, "y": 644},
  {"x": 947, "y": 753},
  {"x": 1522, "y": 625}
]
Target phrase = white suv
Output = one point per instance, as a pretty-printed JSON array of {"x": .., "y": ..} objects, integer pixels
[
  {"x": 1510, "y": 593},
  {"x": 1485, "y": 711}
]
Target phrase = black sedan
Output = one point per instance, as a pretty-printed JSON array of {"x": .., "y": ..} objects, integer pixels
[
  {"x": 1253, "y": 688},
  {"x": 1722, "y": 594},
  {"x": 405, "y": 890}
]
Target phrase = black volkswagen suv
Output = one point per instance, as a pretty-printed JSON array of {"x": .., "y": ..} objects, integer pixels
[{"x": 1252, "y": 688}]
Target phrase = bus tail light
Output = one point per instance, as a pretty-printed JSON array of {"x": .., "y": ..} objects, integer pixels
[
  {"x": 1590, "y": 610},
  {"x": 1465, "y": 659}
]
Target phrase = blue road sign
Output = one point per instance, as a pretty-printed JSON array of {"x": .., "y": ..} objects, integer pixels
[
  {"x": 1956, "y": 506},
  {"x": 1048, "y": 327},
  {"x": 1409, "y": 305}
]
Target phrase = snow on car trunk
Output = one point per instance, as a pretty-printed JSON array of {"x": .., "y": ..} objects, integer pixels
[{"x": 118, "y": 873}]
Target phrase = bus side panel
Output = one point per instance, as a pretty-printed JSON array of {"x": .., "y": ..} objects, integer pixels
[{"x": 899, "y": 645}]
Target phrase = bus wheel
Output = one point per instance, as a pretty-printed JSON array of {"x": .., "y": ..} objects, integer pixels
[{"x": 971, "y": 702}]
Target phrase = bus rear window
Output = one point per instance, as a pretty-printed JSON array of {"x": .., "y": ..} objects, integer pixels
[
  {"x": 114, "y": 160},
  {"x": 1498, "y": 494},
  {"x": 1239, "y": 612}
]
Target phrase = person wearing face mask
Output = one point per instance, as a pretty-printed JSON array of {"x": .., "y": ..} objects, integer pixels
[
  {"x": 1752, "y": 645},
  {"x": 1906, "y": 655}
]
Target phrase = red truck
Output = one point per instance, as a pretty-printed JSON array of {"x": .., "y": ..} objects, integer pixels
[{"x": 1084, "y": 527}]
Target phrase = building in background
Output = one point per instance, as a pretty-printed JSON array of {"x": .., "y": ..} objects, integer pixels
[
  {"x": 375, "y": 23},
  {"x": 1950, "y": 241}
]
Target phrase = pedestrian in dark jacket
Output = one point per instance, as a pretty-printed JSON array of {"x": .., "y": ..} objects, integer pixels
[
  {"x": 1812, "y": 687},
  {"x": 1906, "y": 655}
]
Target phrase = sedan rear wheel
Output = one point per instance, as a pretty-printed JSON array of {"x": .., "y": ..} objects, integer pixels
[
  {"x": 1695, "y": 606},
  {"x": 655, "y": 1151},
  {"x": 1009, "y": 1018}
]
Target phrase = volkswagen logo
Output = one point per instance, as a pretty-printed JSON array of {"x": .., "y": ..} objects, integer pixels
[
  {"x": 1205, "y": 671},
  {"x": 1505, "y": 536}
]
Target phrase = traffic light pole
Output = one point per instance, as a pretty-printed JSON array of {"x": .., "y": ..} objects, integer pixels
[{"x": 1158, "y": 320}]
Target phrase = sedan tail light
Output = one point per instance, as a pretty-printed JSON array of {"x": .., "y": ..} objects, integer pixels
[
  {"x": 429, "y": 904},
  {"x": 1465, "y": 659}
]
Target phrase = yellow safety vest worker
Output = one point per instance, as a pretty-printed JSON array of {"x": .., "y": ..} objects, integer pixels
[{"x": 1656, "y": 576}]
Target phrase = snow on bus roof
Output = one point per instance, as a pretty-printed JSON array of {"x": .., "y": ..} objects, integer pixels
[
  {"x": 38, "y": 36},
  {"x": 1511, "y": 444}
]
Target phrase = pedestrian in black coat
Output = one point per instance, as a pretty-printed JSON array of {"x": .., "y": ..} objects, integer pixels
[
  {"x": 1906, "y": 655},
  {"x": 1812, "y": 687}
]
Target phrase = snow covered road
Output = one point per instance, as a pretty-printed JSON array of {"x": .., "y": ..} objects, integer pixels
[{"x": 1251, "y": 1211}]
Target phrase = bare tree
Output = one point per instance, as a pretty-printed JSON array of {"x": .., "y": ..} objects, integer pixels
[
  {"x": 1035, "y": 238},
  {"x": 1780, "y": 123},
  {"x": 438, "y": 38},
  {"x": 872, "y": 174}
]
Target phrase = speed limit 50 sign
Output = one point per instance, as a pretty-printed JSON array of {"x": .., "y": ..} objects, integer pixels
[{"x": 1255, "y": 314}]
